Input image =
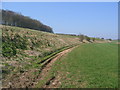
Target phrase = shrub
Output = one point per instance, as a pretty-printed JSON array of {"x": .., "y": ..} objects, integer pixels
[
  {"x": 93, "y": 39},
  {"x": 87, "y": 38},
  {"x": 8, "y": 50},
  {"x": 10, "y": 45},
  {"x": 110, "y": 39},
  {"x": 81, "y": 37},
  {"x": 20, "y": 42}
]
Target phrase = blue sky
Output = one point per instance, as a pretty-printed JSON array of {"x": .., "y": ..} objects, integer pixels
[{"x": 95, "y": 19}]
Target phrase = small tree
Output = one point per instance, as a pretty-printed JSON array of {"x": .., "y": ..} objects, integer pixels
[{"x": 81, "y": 37}]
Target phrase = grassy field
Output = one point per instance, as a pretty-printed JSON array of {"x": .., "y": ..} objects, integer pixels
[{"x": 92, "y": 65}]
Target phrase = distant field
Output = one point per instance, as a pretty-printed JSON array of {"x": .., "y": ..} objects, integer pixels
[{"x": 93, "y": 65}]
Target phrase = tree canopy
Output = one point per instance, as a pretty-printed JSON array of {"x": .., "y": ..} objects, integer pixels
[{"x": 15, "y": 19}]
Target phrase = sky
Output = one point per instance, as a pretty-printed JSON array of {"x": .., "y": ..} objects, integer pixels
[{"x": 95, "y": 19}]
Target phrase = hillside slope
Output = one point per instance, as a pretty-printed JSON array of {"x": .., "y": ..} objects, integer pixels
[
  {"x": 23, "y": 48},
  {"x": 26, "y": 51}
]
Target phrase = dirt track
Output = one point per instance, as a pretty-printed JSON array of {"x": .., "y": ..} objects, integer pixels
[
  {"x": 45, "y": 70},
  {"x": 26, "y": 80}
]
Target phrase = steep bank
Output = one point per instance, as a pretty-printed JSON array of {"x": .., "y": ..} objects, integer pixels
[
  {"x": 25, "y": 51},
  {"x": 24, "y": 48}
]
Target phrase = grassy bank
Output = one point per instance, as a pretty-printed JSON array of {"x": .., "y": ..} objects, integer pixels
[{"x": 24, "y": 49}]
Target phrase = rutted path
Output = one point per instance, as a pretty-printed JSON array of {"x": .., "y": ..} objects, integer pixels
[
  {"x": 48, "y": 66},
  {"x": 25, "y": 80}
]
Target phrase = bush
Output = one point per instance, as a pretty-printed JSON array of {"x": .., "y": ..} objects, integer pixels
[
  {"x": 110, "y": 39},
  {"x": 93, "y": 39},
  {"x": 20, "y": 42},
  {"x": 87, "y": 38},
  {"x": 8, "y": 50},
  {"x": 9, "y": 45},
  {"x": 81, "y": 37}
]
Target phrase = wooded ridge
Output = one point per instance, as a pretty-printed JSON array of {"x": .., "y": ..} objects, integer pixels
[{"x": 16, "y": 19}]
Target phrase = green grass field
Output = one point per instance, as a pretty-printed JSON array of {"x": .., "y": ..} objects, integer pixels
[{"x": 93, "y": 65}]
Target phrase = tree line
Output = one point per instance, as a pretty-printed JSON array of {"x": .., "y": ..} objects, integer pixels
[
  {"x": 16, "y": 19},
  {"x": 90, "y": 39}
]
